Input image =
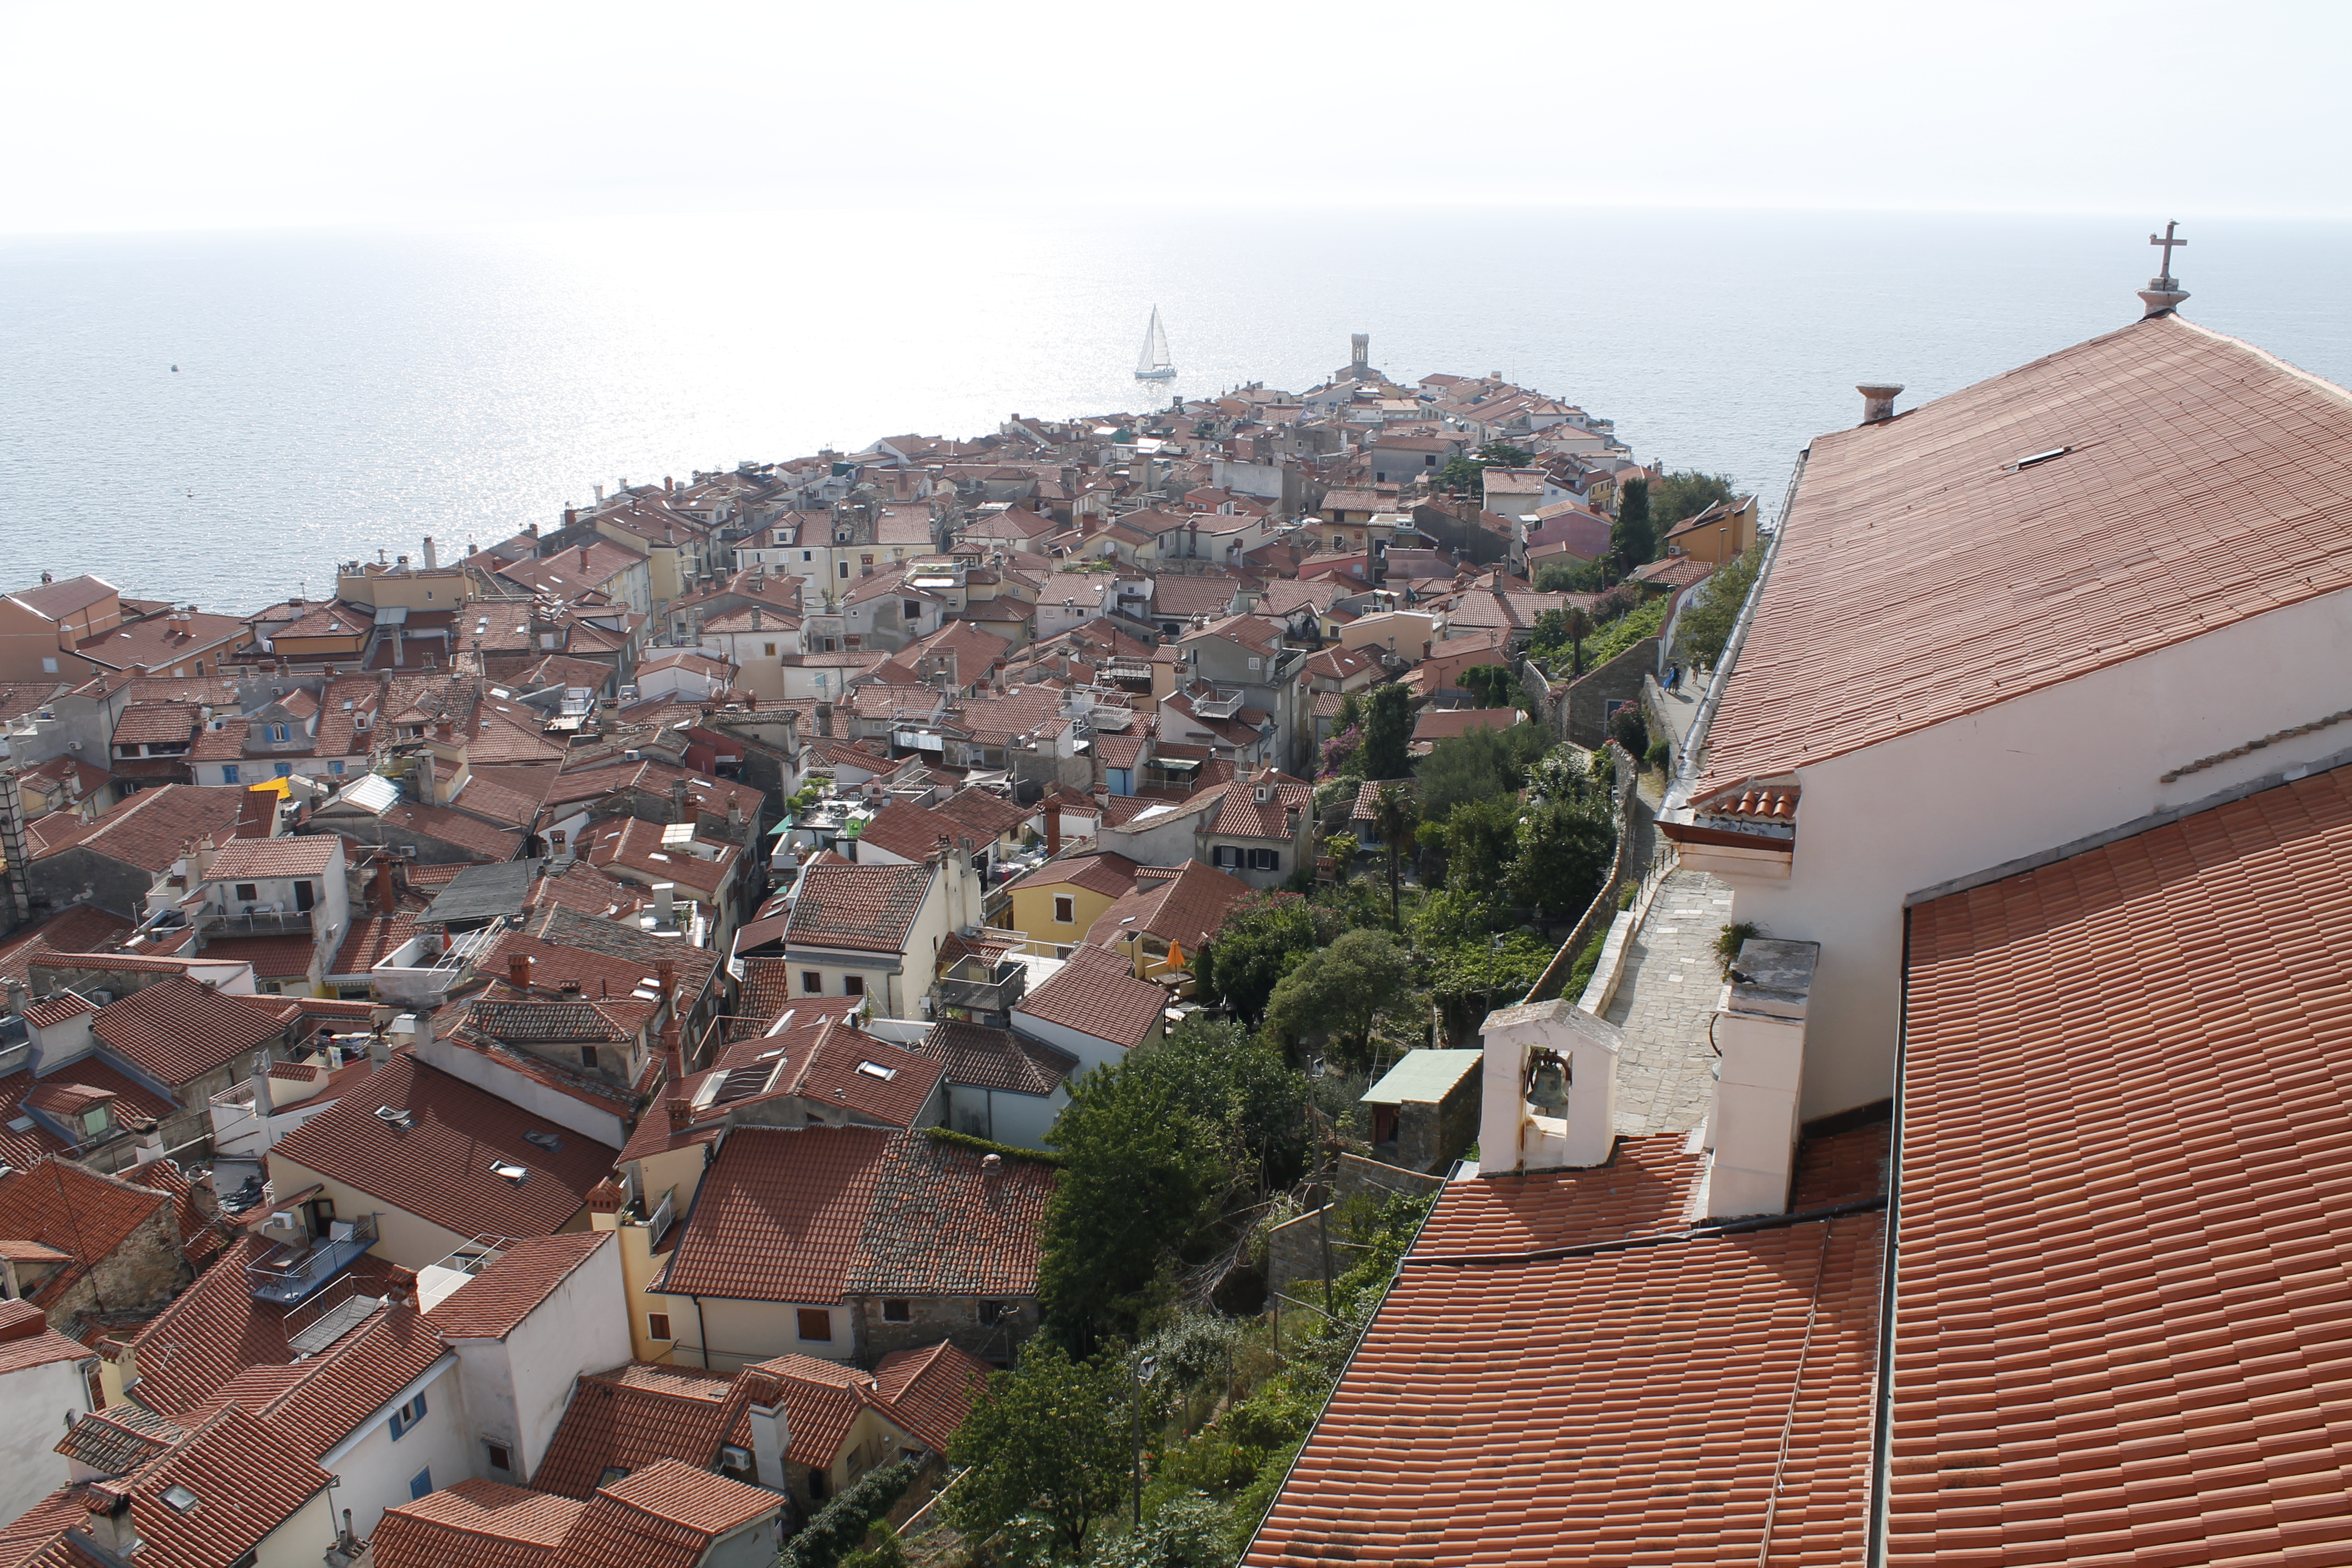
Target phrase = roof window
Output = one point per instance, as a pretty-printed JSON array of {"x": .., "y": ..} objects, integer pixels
[
  {"x": 513, "y": 1173},
  {"x": 547, "y": 1141},
  {"x": 180, "y": 1498},
  {"x": 2038, "y": 459},
  {"x": 393, "y": 1116},
  {"x": 875, "y": 1069}
]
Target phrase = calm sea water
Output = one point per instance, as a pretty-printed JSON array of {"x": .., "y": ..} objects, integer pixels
[{"x": 342, "y": 393}]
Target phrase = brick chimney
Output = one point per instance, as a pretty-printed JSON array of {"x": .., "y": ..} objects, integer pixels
[
  {"x": 1053, "y": 828},
  {"x": 665, "y": 971},
  {"x": 385, "y": 903},
  {"x": 519, "y": 970},
  {"x": 584, "y": 558},
  {"x": 673, "y": 1038}
]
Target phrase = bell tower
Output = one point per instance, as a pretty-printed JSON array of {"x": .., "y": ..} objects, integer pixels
[{"x": 1550, "y": 1092}]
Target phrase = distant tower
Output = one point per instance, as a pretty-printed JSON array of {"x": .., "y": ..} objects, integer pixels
[{"x": 1360, "y": 352}]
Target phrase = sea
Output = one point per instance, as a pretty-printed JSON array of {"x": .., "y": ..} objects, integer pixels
[{"x": 219, "y": 418}]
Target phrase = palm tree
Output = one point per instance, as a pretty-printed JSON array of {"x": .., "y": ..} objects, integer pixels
[
  {"x": 1578, "y": 627},
  {"x": 1398, "y": 811}
]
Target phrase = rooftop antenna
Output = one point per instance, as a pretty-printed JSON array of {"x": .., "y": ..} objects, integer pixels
[{"x": 2164, "y": 292}]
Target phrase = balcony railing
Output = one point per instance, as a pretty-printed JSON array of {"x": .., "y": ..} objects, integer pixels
[
  {"x": 286, "y": 922},
  {"x": 291, "y": 1275},
  {"x": 973, "y": 985}
]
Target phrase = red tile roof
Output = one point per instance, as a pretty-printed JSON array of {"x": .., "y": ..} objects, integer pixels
[
  {"x": 248, "y": 859},
  {"x": 157, "y": 723},
  {"x": 178, "y": 1029},
  {"x": 1185, "y": 908},
  {"x": 778, "y": 1214},
  {"x": 147, "y": 830},
  {"x": 2203, "y": 482},
  {"x": 870, "y": 909},
  {"x": 1444, "y": 723},
  {"x": 822, "y": 1401},
  {"x": 439, "y": 1168},
  {"x": 634, "y": 1414},
  {"x": 909, "y": 831},
  {"x": 85, "y": 928},
  {"x": 931, "y": 1391},
  {"x": 978, "y": 1056},
  {"x": 1096, "y": 993},
  {"x": 2120, "y": 1316},
  {"x": 331, "y": 1395},
  {"x": 475, "y": 1524},
  {"x": 76, "y": 1210},
  {"x": 26, "y": 1340},
  {"x": 272, "y": 957},
  {"x": 493, "y": 1303},
  {"x": 942, "y": 1222}
]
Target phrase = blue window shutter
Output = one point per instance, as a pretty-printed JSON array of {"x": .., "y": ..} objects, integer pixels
[
  {"x": 422, "y": 1485},
  {"x": 418, "y": 1404},
  {"x": 228, "y": 773},
  {"x": 399, "y": 1426}
]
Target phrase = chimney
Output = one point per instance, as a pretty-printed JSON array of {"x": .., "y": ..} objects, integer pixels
[
  {"x": 262, "y": 1108},
  {"x": 673, "y": 1052},
  {"x": 1549, "y": 1099},
  {"x": 380, "y": 1048},
  {"x": 385, "y": 903},
  {"x": 584, "y": 558},
  {"x": 681, "y": 1112},
  {"x": 432, "y": 560},
  {"x": 755, "y": 617},
  {"x": 1878, "y": 400},
  {"x": 991, "y": 1165},
  {"x": 665, "y": 971},
  {"x": 519, "y": 970},
  {"x": 825, "y": 719},
  {"x": 770, "y": 1435},
  {"x": 570, "y": 516},
  {"x": 1053, "y": 828},
  {"x": 19, "y": 998},
  {"x": 666, "y": 903},
  {"x": 1759, "y": 1035},
  {"x": 678, "y": 806},
  {"x": 669, "y": 484}
]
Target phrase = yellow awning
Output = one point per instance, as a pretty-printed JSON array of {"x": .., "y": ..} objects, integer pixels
[{"x": 279, "y": 787}]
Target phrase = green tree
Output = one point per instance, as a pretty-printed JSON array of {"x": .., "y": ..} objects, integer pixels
[
  {"x": 1461, "y": 473},
  {"x": 1475, "y": 765},
  {"x": 1686, "y": 494},
  {"x": 1450, "y": 915},
  {"x": 1241, "y": 1090},
  {"x": 1571, "y": 577},
  {"x": 1503, "y": 455},
  {"x": 1341, "y": 990},
  {"x": 1705, "y": 625},
  {"x": 1260, "y": 938},
  {"x": 1561, "y": 854},
  {"x": 1563, "y": 774},
  {"x": 833, "y": 1535},
  {"x": 1049, "y": 1439},
  {"x": 1493, "y": 685},
  {"x": 1398, "y": 817},
  {"x": 1631, "y": 541},
  {"x": 1482, "y": 838},
  {"x": 1627, "y": 728},
  {"x": 1388, "y": 732},
  {"x": 1143, "y": 1171},
  {"x": 1188, "y": 1531},
  {"x": 1468, "y": 978}
]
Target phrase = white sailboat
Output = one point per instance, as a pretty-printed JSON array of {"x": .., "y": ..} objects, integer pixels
[{"x": 1153, "y": 364}]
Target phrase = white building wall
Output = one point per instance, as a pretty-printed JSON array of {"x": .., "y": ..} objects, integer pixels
[
  {"x": 1090, "y": 1051},
  {"x": 742, "y": 1332},
  {"x": 32, "y": 1402},
  {"x": 302, "y": 1540},
  {"x": 373, "y": 1471},
  {"x": 2022, "y": 779}
]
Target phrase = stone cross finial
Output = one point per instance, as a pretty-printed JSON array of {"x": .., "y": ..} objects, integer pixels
[{"x": 2164, "y": 292}]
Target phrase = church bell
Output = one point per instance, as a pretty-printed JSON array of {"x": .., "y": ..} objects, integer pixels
[{"x": 1547, "y": 1088}]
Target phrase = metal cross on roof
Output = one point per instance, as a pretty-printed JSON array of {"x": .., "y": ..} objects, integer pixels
[{"x": 2168, "y": 241}]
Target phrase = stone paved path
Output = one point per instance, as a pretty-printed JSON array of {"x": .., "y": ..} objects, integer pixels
[{"x": 1666, "y": 1074}]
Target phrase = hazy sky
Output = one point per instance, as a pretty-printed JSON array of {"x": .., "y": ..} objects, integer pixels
[{"x": 135, "y": 116}]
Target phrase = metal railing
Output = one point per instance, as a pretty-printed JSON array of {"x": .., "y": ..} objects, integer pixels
[
  {"x": 284, "y": 922},
  {"x": 289, "y": 1277}
]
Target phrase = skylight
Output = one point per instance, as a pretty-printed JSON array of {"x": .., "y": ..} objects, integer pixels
[
  {"x": 511, "y": 1171},
  {"x": 875, "y": 1069},
  {"x": 2039, "y": 457},
  {"x": 180, "y": 1498}
]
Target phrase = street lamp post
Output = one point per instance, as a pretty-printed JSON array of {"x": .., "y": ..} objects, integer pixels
[{"x": 1142, "y": 1375}]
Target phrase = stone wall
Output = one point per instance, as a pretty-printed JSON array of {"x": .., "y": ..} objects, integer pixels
[
  {"x": 1432, "y": 1137},
  {"x": 931, "y": 1319},
  {"x": 1358, "y": 1174},
  {"x": 143, "y": 1273},
  {"x": 1618, "y": 681}
]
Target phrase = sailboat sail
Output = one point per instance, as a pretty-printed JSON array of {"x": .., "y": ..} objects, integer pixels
[{"x": 1153, "y": 364}]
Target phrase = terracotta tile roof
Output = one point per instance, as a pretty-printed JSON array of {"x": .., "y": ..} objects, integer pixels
[
  {"x": 252, "y": 1472},
  {"x": 981, "y": 1058},
  {"x": 147, "y": 830},
  {"x": 272, "y": 957},
  {"x": 55, "y": 601},
  {"x": 2124, "y": 1148},
  {"x": 1444, "y": 723},
  {"x": 690, "y": 1495},
  {"x": 822, "y": 1401},
  {"x": 439, "y": 1168},
  {"x": 2204, "y": 483},
  {"x": 568, "y": 934},
  {"x": 58, "y": 1009},
  {"x": 331, "y": 1395},
  {"x": 157, "y": 723},
  {"x": 178, "y": 1029},
  {"x": 1241, "y": 815},
  {"x": 941, "y": 1223},
  {"x": 984, "y": 815},
  {"x": 870, "y": 909},
  {"x": 455, "y": 828},
  {"x": 1774, "y": 801},
  {"x": 911, "y": 831},
  {"x": 1675, "y": 572},
  {"x": 1096, "y": 993},
  {"x": 85, "y": 928},
  {"x": 493, "y": 1303},
  {"x": 827, "y": 1065},
  {"x": 778, "y": 1214},
  {"x": 765, "y": 994},
  {"x": 216, "y": 1330},
  {"x": 1585, "y": 1408},
  {"x": 372, "y": 939},
  {"x": 248, "y": 859},
  {"x": 931, "y": 1391},
  {"x": 76, "y": 1211},
  {"x": 1105, "y": 873},
  {"x": 1185, "y": 908},
  {"x": 635, "y": 1414},
  {"x": 1644, "y": 1190},
  {"x": 475, "y": 1524},
  {"x": 26, "y": 1340}
]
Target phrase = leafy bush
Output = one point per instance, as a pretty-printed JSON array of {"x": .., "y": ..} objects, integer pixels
[
  {"x": 983, "y": 1146},
  {"x": 841, "y": 1525},
  {"x": 1627, "y": 728},
  {"x": 1705, "y": 627},
  {"x": 1183, "y": 1533},
  {"x": 1728, "y": 942},
  {"x": 1255, "y": 945},
  {"x": 1478, "y": 765},
  {"x": 1662, "y": 754},
  {"x": 1580, "y": 973}
]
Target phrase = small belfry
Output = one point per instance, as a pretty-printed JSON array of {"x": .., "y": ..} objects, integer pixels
[{"x": 2164, "y": 292}]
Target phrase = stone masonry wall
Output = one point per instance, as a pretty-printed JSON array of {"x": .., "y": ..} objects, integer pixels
[
  {"x": 931, "y": 1319},
  {"x": 1618, "y": 681},
  {"x": 147, "y": 1270}
]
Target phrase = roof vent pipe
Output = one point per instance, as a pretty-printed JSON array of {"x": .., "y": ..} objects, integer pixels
[{"x": 1878, "y": 400}]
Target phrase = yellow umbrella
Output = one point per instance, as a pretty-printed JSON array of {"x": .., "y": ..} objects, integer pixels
[{"x": 1175, "y": 954}]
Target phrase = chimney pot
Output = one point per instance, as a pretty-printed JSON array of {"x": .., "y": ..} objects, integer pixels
[
  {"x": 519, "y": 970},
  {"x": 1878, "y": 400},
  {"x": 681, "y": 1113}
]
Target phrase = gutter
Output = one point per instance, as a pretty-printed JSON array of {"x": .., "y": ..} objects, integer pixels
[{"x": 1678, "y": 793}]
